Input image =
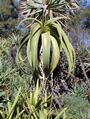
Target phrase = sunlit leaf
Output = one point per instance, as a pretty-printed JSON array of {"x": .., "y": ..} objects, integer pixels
[{"x": 46, "y": 49}]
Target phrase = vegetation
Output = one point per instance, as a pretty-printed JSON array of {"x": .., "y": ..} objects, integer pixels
[
  {"x": 42, "y": 75},
  {"x": 6, "y": 8},
  {"x": 46, "y": 36}
]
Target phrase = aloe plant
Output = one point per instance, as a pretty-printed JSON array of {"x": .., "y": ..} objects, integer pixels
[
  {"x": 31, "y": 8},
  {"x": 46, "y": 36},
  {"x": 52, "y": 38}
]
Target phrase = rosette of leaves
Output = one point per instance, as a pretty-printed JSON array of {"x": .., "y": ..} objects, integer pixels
[
  {"x": 47, "y": 37},
  {"x": 34, "y": 8},
  {"x": 51, "y": 38}
]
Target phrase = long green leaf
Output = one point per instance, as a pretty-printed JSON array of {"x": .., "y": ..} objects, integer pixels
[
  {"x": 55, "y": 54},
  {"x": 46, "y": 49},
  {"x": 68, "y": 57},
  {"x": 33, "y": 20},
  {"x": 9, "y": 108},
  {"x": 2, "y": 115},
  {"x": 36, "y": 93},
  {"x": 34, "y": 50},
  {"x": 61, "y": 113},
  {"x": 43, "y": 115},
  {"x": 22, "y": 43},
  {"x": 14, "y": 104},
  {"x": 24, "y": 40},
  {"x": 19, "y": 114},
  {"x": 32, "y": 46},
  {"x": 35, "y": 28},
  {"x": 66, "y": 45},
  {"x": 55, "y": 19}
]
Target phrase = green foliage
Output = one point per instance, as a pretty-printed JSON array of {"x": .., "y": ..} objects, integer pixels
[
  {"x": 47, "y": 7},
  {"x": 8, "y": 114},
  {"x": 76, "y": 102},
  {"x": 24, "y": 103},
  {"x": 51, "y": 38},
  {"x": 31, "y": 105},
  {"x": 4, "y": 6},
  {"x": 2, "y": 96},
  {"x": 11, "y": 107},
  {"x": 9, "y": 73},
  {"x": 44, "y": 43},
  {"x": 46, "y": 35}
]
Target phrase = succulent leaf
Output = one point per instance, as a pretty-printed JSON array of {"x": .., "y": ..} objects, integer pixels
[
  {"x": 55, "y": 54},
  {"x": 46, "y": 49}
]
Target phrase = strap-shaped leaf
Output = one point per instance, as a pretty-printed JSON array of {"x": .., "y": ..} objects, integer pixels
[
  {"x": 32, "y": 19},
  {"x": 29, "y": 52},
  {"x": 46, "y": 49},
  {"x": 34, "y": 50},
  {"x": 43, "y": 114},
  {"x": 36, "y": 93},
  {"x": 55, "y": 19},
  {"x": 22, "y": 43},
  {"x": 55, "y": 54},
  {"x": 9, "y": 116},
  {"x": 61, "y": 113},
  {"x": 54, "y": 33},
  {"x": 34, "y": 30},
  {"x": 66, "y": 45},
  {"x": 70, "y": 67},
  {"x": 70, "y": 50}
]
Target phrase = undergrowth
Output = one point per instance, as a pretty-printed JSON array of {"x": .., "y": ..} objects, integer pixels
[{"x": 12, "y": 77}]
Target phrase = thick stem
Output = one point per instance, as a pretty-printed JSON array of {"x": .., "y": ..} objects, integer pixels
[{"x": 51, "y": 14}]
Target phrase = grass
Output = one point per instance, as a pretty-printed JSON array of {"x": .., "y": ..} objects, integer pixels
[{"x": 75, "y": 100}]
